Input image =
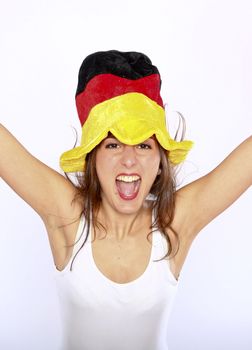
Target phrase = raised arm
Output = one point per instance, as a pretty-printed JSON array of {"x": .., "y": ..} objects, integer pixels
[
  {"x": 45, "y": 190},
  {"x": 204, "y": 199}
]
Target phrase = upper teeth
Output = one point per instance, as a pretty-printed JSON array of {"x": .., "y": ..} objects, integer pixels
[{"x": 127, "y": 178}]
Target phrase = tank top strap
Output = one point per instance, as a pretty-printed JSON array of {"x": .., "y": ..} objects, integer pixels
[
  {"x": 160, "y": 249},
  {"x": 159, "y": 245},
  {"x": 80, "y": 235}
]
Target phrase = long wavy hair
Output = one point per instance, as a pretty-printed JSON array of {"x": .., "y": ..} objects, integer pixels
[{"x": 163, "y": 191}]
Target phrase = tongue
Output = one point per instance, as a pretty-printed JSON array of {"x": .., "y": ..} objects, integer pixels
[{"x": 127, "y": 189}]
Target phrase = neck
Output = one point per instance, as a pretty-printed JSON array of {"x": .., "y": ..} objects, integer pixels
[{"x": 122, "y": 226}]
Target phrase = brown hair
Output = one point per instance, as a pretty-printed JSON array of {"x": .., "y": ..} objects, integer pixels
[{"x": 163, "y": 188}]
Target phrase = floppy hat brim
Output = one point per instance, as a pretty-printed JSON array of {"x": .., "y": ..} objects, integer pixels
[{"x": 132, "y": 118}]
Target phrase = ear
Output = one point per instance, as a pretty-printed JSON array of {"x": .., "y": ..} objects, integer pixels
[{"x": 159, "y": 171}]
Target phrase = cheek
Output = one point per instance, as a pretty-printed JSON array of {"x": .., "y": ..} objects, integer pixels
[
  {"x": 100, "y": 166},
  {"x": 101, "y": 160},
  {"x": 151, "y": 168},
  {"x": 104, "y": 166},
  {"x": 154, "y": 163}
]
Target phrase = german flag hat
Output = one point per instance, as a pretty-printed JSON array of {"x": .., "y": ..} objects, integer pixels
[{"x": 119, "y": 92}]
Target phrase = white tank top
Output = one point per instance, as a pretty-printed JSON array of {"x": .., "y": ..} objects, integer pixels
[{"x": 99, "y": 314}]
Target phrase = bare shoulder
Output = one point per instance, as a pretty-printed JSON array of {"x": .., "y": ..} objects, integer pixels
[
  {"x": 62, "y": 229},
  {"x": 182, "y": 240},
  {"x": 61, "y": 238}
]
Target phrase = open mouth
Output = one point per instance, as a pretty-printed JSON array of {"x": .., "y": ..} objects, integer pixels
[{"x": 128, "y": 186}]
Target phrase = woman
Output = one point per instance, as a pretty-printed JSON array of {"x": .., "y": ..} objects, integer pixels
[{"x": 120, "y": 237}]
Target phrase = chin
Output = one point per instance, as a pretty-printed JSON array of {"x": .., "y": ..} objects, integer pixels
[
  {"x": 129, "y": 206},
  {"x": 128, "y": 210}
]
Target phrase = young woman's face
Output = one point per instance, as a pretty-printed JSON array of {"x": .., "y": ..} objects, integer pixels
[{"x": 126, "y": 173}]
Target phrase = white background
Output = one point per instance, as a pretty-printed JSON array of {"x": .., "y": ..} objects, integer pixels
[{"x": 203, "y": 50}]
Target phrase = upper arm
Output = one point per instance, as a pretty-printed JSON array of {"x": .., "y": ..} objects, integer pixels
[
  {"x": 204, "y": 199},
  {"x": 45, "y": 190}
]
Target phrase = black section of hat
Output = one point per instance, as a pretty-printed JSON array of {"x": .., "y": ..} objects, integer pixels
[{"x": 130, "y": 65}]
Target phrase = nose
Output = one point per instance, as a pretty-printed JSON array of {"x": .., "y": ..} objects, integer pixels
[{"x": 128, "y": 158}]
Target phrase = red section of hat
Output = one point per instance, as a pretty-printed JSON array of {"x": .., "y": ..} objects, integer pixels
[{"x": 105, "y": 86}]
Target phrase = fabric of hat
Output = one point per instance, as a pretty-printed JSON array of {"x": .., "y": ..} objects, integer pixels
[{"x": 119, "y": 92}]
